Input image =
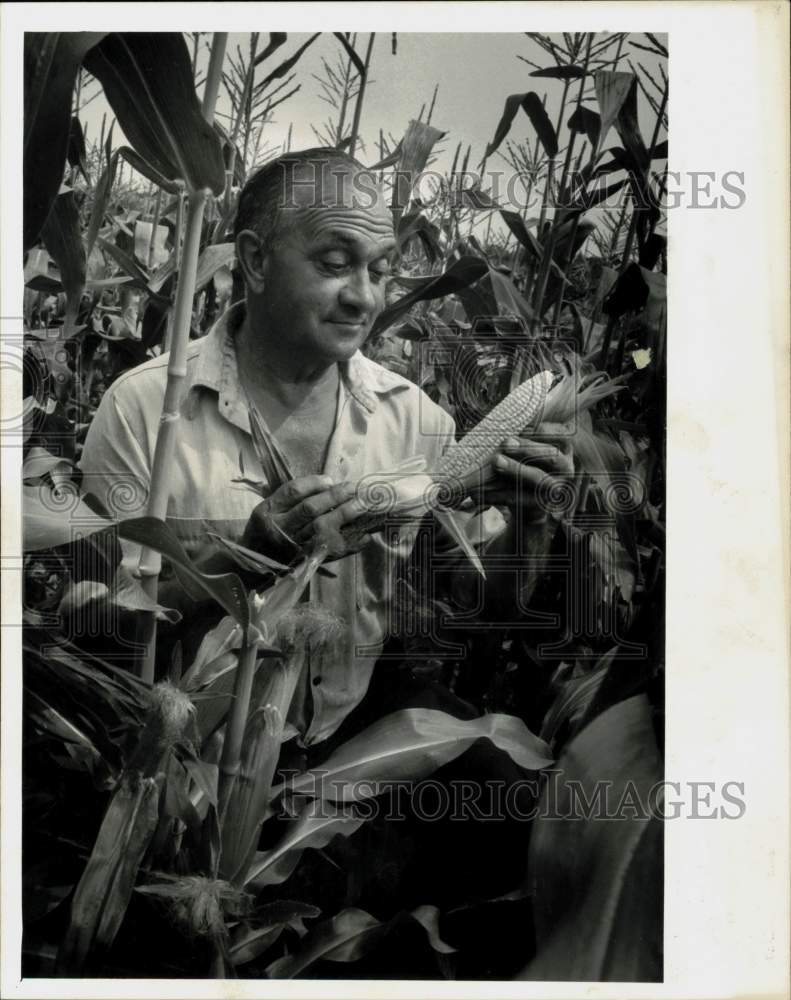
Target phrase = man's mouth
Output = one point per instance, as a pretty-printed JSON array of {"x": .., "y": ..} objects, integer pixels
[{"x": 350, "y": 325}]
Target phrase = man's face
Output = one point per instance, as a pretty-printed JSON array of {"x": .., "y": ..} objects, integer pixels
[{"x": 326, "y": 276}]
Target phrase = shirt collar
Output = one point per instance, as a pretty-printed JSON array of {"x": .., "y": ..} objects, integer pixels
[{"x": 216, "y": 367}]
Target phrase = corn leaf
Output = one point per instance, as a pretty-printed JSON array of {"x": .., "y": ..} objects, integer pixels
[
  {"x": 142, "y": 237},
  {"x": 560, "y": 72},
  {"x": 106, "y": 885},
  {"x": 62, "y": 238},
  {"x": 349, "y": 935},
  {"x": 416, "y": 145},
  {"x": 147, "y": 79},
  {"x": 314, "y": 828},
  {"x": 516, "y": 224},
  {"x": 358, "y": 63},
  {"x": 411, "y": 744},
  {"x": 415, "y": 148},
  {"x": 127, "y": 593},
  {"x": 344, "y": 938},
  {"x": 145, "y": 169},
  {"x": 51, "y": 63},
  {"x": 533, "y": 107},
  {"x": 272, "y": 919},
  {"x": 226, "y": 588},
  {"x": 390, "y": 160},
  {"x": 461, "y": 274},
  {"x": 588, "y": 121},
  {"x": 286, "y": 65},
  {"x": 75, "y": 151},
  {"x": 213, "y": 258},
  {"x": 38, "y": 462},
  {"x": 225, "y": 637},
  {"x": 276, "y": 39},
  {"x": 56, "y": 517},
  {"x": 130, "y": 267},
  {"x": 612, "y": 89},
  {"x": 510, "y": 301},
  {"x": 627, "y": 127},
  {"x": 40, "y": 273},
  {"x": 598, "y": 885}
]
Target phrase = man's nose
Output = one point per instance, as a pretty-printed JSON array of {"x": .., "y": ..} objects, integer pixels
[{"x": 358, "y": 293}]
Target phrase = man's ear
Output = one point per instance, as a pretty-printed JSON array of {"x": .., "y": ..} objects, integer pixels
[{"x": 252, "y": 260}]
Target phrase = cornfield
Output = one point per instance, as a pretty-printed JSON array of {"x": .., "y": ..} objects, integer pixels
[{"x": 160, "y": 838}]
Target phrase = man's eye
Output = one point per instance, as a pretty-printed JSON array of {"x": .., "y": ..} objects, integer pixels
[
  {"x": 335, "y": 262},
  {"x": 381, "y": 273}
]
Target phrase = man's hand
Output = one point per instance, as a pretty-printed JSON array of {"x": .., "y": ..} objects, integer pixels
[
  {"x": 302, "y": 513},
  {"x": 529, "y": 469}
]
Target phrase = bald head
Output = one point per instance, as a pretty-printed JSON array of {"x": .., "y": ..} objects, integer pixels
[{"x": 300, "y": 187}]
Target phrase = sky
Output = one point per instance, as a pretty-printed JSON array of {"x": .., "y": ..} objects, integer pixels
[{"x": 475, "y": 73}]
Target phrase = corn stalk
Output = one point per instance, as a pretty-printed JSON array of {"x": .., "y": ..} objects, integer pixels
[
  {"x": 627, "y": 253},
  {"x": 358, "y": 107},
  {"x": 150, "y": 560},
  {"x": 549, "y": 250}
]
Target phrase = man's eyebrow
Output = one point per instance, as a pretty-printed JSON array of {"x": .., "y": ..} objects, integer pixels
[{"x": 388, "y": 245}]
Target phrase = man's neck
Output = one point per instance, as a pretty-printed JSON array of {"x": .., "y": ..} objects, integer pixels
[{"x": 276, "y": 378}]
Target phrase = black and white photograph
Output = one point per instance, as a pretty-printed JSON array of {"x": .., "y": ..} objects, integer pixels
[{"x": 344, "y": 470}]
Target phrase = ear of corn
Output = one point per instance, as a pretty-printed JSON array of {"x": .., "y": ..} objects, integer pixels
[{"x": 512, "y": 416}]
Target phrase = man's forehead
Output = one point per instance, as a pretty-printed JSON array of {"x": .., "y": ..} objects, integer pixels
[{"x": 325, "y": 184}]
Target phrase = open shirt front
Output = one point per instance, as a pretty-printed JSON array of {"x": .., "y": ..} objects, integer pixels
[{"x": 381, "y": 419}]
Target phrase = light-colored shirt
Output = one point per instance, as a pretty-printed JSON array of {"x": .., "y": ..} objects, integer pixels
[{"x": 381, "y": 420}]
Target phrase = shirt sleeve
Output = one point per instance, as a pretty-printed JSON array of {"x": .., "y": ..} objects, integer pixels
[{"x": 115, "y": 467}]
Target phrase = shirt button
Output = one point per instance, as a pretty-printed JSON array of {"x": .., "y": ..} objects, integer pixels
[{"x": 316, "y": 681}]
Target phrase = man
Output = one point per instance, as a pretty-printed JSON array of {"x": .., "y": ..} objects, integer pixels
[{"x": 315, "y": 246}]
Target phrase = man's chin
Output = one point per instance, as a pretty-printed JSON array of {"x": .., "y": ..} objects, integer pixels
[{"x": 345, "y": 341}]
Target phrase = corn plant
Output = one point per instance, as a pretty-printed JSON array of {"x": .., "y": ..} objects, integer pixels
[{"x": 128, "y": 255}]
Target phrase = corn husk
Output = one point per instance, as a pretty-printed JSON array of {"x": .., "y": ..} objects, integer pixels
[
  {"x": 306, "y": 628},
  {"x": 106, "y": 885}
]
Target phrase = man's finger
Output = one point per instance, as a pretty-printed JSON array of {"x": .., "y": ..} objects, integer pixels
[
  {"x": 295, "y": 491},
  {"x": 527, "y": 476},
  {"x": 317, "y": 505},
  {"x": 547, "y": 456},
  {"x": 561, "y": 435}
]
